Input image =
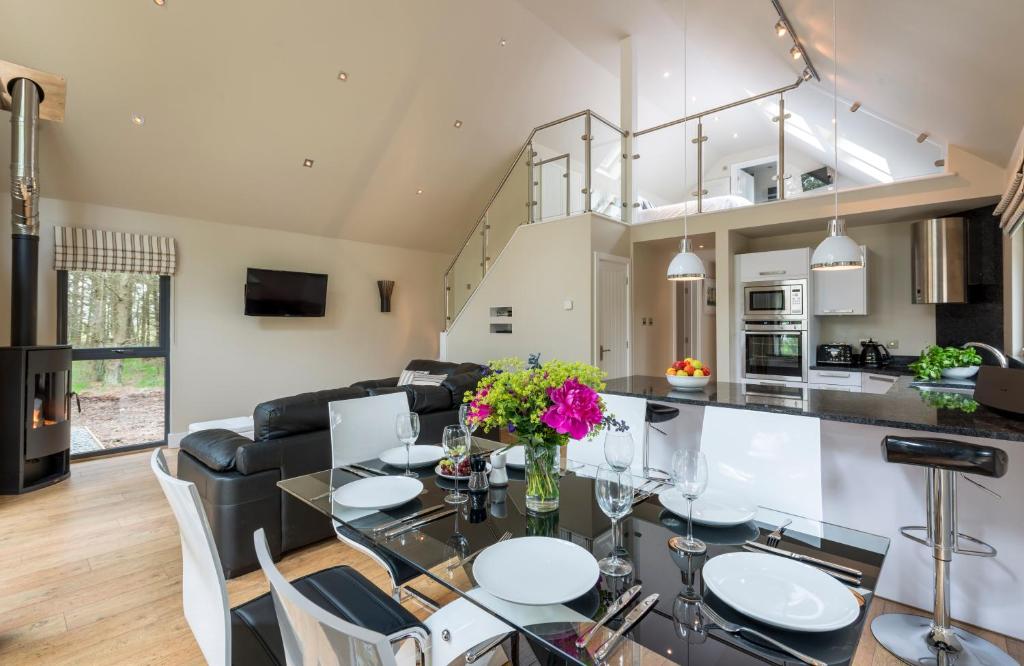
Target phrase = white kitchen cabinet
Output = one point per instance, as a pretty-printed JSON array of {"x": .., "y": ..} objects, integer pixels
[
  {"x": 835, "y": 378},
  {"x": 842, "y": 292},
  {"x": 835, "y": 387},
  {"x": 775, "y": 265},
  {"x": 874, "y": 383}
]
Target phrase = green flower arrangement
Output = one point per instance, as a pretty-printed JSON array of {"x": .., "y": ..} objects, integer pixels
[{"x": 542, "y": 405}]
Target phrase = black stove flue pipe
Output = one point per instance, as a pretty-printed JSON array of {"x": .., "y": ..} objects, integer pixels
[{"x": 25, "y": 99}]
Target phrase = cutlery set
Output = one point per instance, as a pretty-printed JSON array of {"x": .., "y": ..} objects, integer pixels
[{"x": 632, "y": 618}]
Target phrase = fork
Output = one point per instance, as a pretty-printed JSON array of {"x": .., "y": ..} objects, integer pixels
[
  {"x": 776, "y": 537},
  {"x": 739, "y": 630},
  {"x": 472, "y": 556}
]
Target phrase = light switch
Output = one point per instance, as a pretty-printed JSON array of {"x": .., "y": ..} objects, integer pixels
[{"x": 567, "y": 304}]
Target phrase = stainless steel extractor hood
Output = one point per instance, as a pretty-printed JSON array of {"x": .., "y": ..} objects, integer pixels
[{"x": 938, "y": 261}]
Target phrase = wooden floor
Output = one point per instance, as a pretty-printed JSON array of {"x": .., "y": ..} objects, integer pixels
[{"x": 90, "y": 573}]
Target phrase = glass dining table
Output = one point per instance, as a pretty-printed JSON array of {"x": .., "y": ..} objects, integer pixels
[{"x": 677, "y": 630}]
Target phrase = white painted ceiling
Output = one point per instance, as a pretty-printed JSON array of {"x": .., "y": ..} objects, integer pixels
[{"x": 236, "y": 94}]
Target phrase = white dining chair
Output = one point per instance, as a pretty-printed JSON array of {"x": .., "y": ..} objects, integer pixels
[
  {"x": 204, "y": 594},
  {"x": 363, "y": 428},
  {"x": 311, "y": 635}
]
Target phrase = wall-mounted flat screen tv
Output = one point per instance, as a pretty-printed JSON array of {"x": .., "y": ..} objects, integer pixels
[{"x": 285, "y": 293}]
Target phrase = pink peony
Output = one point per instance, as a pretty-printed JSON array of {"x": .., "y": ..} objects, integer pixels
[
  {"x": 574, "y": 411},
  {"x": 478, "y": 411}
]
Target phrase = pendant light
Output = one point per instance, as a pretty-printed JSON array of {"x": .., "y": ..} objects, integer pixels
[
  {"x": 686, "y": 266},
  {"x": 838, "y": 252}
]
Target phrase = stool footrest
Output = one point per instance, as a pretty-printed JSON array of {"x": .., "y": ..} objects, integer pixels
[{"x": 986, "y": 550}]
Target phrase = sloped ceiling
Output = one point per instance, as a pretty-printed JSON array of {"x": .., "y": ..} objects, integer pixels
[{"x": 236, "y": 94}]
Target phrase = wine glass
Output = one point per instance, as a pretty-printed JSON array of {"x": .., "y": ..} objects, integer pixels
[
  {"x": 614, "y": 492},
  {"x": 618, "y": 450},
  {"x": 467, "y": 423},
  {"x": 690, "y": 476},
  {"x": 407, "y": 427},
  {"x": 455, "y": 442}
]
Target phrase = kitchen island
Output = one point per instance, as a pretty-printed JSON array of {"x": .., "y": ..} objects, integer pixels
[
  {"x": 796, "y": 438},
  {"x": 902, "y": 407}
]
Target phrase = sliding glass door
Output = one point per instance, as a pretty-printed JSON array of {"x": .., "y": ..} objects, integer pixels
[{"x": 118, "y": 326}]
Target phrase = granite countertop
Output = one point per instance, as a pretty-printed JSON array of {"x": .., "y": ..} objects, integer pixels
[{"x": 902, "y": 407}]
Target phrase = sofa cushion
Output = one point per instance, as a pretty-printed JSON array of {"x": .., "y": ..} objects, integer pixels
[
  {"x": 215, "y": 448},
  {"x": 376, "y": 383},
  {"x": 297, "y": 414},
  {"x": 422, "y": 399},
  {"x": 459, "y": 384},
  {"x": 433, "y": 367}
]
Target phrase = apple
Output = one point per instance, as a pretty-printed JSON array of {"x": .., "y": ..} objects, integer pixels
[
  {"x": 670, "y": 371},
  {"x": 697, "y": 365},
  {"x": 707, "y": 372},
  {"x": 678, "y": 365}
]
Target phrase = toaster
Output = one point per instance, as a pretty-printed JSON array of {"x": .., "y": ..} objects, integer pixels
[{"x": 834, "y": 354}]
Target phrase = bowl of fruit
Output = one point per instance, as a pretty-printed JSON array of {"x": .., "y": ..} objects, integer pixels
[{"x": 690, "y": 373}]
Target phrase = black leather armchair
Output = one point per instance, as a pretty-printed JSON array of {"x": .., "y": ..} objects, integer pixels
[{"x": 237, "y": 478}]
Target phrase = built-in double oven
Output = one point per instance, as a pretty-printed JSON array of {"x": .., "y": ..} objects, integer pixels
[{"x": 775, "y": 341}]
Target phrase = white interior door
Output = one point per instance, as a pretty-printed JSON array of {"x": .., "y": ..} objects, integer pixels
[
  {"x": 611, "y": 314},
  {"x": 744, "y": 185}
]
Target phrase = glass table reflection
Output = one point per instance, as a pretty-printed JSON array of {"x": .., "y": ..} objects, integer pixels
[{"x": 675, "y": 630}]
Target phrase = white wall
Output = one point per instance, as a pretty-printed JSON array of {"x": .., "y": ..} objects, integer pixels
[
  {"x": 224, "y": 363},
  {"x": 543, "y": 265},
  {"x": 891, "y": 315}
]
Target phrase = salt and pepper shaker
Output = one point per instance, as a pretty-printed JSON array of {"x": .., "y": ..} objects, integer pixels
[
  {"x": 478, "y": 474},
  {"x": 499, "y": 475}
]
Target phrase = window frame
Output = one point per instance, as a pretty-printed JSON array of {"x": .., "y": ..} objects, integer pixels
[{"x": 163, "y": 350}]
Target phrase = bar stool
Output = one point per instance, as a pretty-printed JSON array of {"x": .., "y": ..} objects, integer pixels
[
  {"x": 656, "y": 414},
  {"x": 919, "y": 640}
]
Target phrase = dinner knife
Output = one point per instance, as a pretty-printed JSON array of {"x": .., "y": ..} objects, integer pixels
[
  {"x": 612, "y": 611},
  {"x": 632, "y": 618},
  {"x": 395, "y": 523},
  {"x": 806, "y": 558},
  {"x": 354, "y": 472},
  {"x": 849, "y": 580},
  {"x": 370, "y": 470},
  {"x": 419, "y": 523}
]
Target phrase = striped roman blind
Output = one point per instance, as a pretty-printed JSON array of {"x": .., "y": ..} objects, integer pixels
[{"x": 97, "y": 250}]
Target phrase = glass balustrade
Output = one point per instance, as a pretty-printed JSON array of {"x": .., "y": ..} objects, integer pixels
[
  {"x": 605, "y": 168},
  {"x": 548, "y": 180},
  {"x": 728, "y": 157},
  {"x": 559, "y": 169}
]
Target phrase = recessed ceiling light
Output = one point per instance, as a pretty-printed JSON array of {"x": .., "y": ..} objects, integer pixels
[
  {"x": 457, "y": 124},
  {"x": 716, "y": 119},
  {"x": 795, "y": 52},
  {"x": 735, "y": 135},
  {"x": 502, "y": 42},
  {"x": 159, "y": 3},
  {"x": 700, "y": 247},
  {"x": 693, "y": 98},
  {"x": 343, "y": 76},
  {"x": 308, "y": 163},
  {"x": 667, "y": 74},
  {"x": 138, "y": 119},
  {"x": 419, "y": 191}
]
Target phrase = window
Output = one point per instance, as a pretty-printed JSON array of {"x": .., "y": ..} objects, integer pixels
[{"x": 118, "y": 326}]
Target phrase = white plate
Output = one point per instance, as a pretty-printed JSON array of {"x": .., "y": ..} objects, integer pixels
[
  {"x": 715, "y": 507},
  {"x": 516, "y": 457},
  {"x": 781, "y": 592},
  {"x": 419, "y": 456},
  {"x": 378, "y": 492},
  {"x": 536, "y": 570},
  {"x": 437, "y": 470}
]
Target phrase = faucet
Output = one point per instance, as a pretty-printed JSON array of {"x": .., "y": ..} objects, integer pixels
[{"x": 1000, "y": 356}]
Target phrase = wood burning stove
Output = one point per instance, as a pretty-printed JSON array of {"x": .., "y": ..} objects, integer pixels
[
  {"x": 35, "y": 426},
  {"x": 35, "y": 381}
]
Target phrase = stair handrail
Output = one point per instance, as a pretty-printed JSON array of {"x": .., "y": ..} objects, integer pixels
[{"x": 587, "y": 113}]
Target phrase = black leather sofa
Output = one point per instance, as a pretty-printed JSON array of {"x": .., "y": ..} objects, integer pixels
[{"x": 237, "y": 478}]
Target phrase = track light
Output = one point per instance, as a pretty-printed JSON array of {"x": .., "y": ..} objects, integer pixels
[
  {"x": 795, "y": 52},
  {"x": 806, "y": 74},
  {"x": 780, "y": 28},
  {"x": 854, "y": 107}
]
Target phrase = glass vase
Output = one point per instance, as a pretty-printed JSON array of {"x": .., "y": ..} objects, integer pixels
[{"x": 541, "y": 476}]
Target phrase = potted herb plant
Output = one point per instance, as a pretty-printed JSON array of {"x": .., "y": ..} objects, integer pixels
[{"x": 949, "y": 362}]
